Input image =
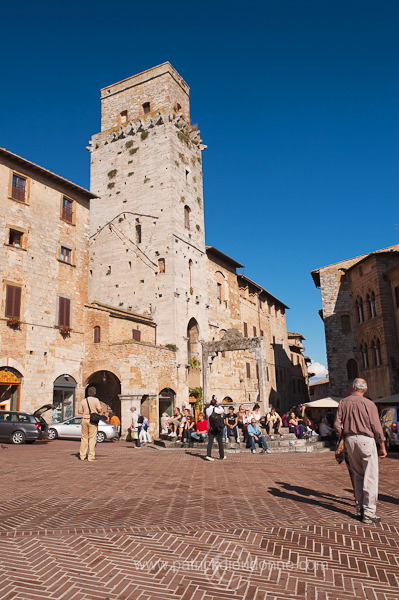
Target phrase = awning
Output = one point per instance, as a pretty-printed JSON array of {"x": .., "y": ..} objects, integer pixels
[
  {"x": 328, "y": 402},
  {"x": 389, "y": 400}
]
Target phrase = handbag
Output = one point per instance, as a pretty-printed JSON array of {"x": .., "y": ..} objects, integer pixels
[
  {"x": 94, "y": 417},
  {"x": 340, "y": 451}
]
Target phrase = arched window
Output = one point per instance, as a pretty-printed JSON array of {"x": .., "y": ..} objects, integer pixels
[
  {"x": 359, "y": 310},
  {"x": 376, "y": 351},
  {"x": 187, "y": 212},
  {"x": 373, "y": 312},
  {"x": 97, "y": 334},
  {"x": 146, "y": 107},
  {"x": 138, "y": 233},
  {"x": 352, "y": 369},
  {"x": 365, "y": 356}
]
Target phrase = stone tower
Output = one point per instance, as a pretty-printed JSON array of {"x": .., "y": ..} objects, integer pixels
[{"x": 147, "y": 226}]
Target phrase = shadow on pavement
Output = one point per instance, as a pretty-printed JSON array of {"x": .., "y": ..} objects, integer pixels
[{"x": 304, "y": 495}]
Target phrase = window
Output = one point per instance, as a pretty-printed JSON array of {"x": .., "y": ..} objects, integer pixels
[
  {"x": 248, "y": 369},
  {"x": 64, "y": 312},
  {"x": 372, "y": 309},
  {"x": 136, "y": 334},
  {"x": 262, "y": 333},
  {"x": 161, "y": 265},
  {"x": 187, "y": 217},
  {"x": 67, "y": 209},
  {"x": 359, "y": 310},
  {"x": 254, "y": 331},
  {"x": 345, "y": 323},
  {"x": 245, "y": 330},
  {"x": 190, "y": 272},
  {"x": 18, "y": 188},
  {"x": 16, "y": 238},
  {"x": 352, "y": 369},
  {"x": 123, "y": 116},
  {"x": 146, "y": 107},
  {"x": 219, "y": 291},
  {"x": 66, "y": 254},
  {"x": 138, "y": 233},
  {"x": 376, "y": 351},
  {"x": 13, "y": 302},
  {"x": 365, "y": 356},
  {"x": 97, "y": 334}
]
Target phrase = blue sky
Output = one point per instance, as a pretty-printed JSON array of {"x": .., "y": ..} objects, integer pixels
[{"x": 297, "y": 102}]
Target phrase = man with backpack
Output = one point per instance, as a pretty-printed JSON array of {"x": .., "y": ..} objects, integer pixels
[{"x": 215, "y": 416}]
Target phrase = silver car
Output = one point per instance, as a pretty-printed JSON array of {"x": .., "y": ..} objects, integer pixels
[
  {"x": 389, "y": 423},
  {"x": 72, "y": 428}
]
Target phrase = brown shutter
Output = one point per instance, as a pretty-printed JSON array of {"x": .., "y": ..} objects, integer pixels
[
  {"x": 254, "y": 329},
  {"x": 245, "y": 330},
  {"x": 97, "y": 335},
  {"x": 13, "y": 301},
  {"x": 64, "y": 312},
  {"x": 137, "y": 335},
  {"x": 248, "y": 366}
]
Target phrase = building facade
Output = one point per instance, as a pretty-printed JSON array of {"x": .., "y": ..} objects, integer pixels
[
  {"x": 360, "y": 299},
  {"x": 115, "y": 287}
]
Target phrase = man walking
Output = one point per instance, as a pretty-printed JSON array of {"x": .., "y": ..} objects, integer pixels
[
  {"x": 91, "y": 404},
  {"x": 358, "y": 423},
  {"x": 215, "y": 416}
]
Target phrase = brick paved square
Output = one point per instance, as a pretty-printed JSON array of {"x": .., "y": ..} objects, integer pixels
[{"x": 155, "y": 524}]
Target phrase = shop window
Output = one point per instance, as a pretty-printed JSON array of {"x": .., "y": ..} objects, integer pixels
[
  {"x": 13, "y": 301},
  {"x": 97, "y": 334},
  {"x": 18, "y": 188}
]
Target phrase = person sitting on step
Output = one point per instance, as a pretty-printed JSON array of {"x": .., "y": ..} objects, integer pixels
[
  {"x": 201, "y": 429},
  {"x": 256, "y": 437}
]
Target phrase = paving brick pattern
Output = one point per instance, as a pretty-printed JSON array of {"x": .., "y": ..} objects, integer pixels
[{"x": 162, "y": 525}]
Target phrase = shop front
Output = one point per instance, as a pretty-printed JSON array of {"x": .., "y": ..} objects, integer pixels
[
  {"x": 63, "y": 398},
  {"x": 10, "y": 388}
]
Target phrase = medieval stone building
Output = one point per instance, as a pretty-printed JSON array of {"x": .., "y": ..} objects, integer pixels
[
  {"x": 360, "y": 298},
  {"x": 132, "y": 295}
]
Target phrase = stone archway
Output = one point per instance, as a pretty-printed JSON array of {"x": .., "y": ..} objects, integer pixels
[
  {"x": 234, "y": 340},
  {"x": 108, "y": 389}
]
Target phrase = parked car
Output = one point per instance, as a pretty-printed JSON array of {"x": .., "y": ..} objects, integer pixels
[
  {"x": 72, "y": 428},
  {"x": 19, "y": 427},
  {"x": 389, "y": 422}
]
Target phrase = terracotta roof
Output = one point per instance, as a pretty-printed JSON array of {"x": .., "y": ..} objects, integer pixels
[
  {"x": 228, "y": 259},
  {"x": 27, "y": 164},
  {"x": 262, "y": 289},
  {"x": 295, "y": 335}
]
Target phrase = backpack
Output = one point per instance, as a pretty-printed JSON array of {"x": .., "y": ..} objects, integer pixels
[
  {"x": 216, "y": 422},
  {"x": 140, "y": 420}
]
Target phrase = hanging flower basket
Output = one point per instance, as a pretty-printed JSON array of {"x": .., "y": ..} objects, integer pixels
[
  {"x": 65, "y": 331},
  {"x": 194, "y": 363},
  {"x": 14, "y": 323}
]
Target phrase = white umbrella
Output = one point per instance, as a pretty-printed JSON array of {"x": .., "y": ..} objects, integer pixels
[{"x": 328, "y": 402}]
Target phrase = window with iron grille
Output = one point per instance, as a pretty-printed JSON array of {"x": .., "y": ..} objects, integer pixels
[
  {"x": 18, "y": 189},
  {"x": 67, "y": 209},
  {"x": 64, "y": 312},
  {"x": 13, "y": 301}
]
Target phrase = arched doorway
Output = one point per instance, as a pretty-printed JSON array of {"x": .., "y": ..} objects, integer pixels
[
  {"x": 166, "y": 402},
  {"x": 108, "y": 389},
  {"x": 352, "y": 369},
  {"x": 10, "y": 388},
  {"x": 63, "y": 398},
  {"x": 193, "y": 354}
]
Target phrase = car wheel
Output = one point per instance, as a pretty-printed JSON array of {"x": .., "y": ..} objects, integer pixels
[
  {"x": 18, "y": 437},
  {"x": 52, "y": 434},
  {"x": 101, "y": 437}
]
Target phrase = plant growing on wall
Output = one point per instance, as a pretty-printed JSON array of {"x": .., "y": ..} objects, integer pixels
[
  {"x": 144, "y": 135},
  {"x": 111, "y": 185},
  {"x": 133, "y": 150},
  {"x": 14, "y": 322},
  {"x": 191, "y": 291},
  {"x": 193, "y": 363},
  {"x": 171, "y": 347},
  {"x": 129, "y": 144},
  {"x": 112, "y": 173}
]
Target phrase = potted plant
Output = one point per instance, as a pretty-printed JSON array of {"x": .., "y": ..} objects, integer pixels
[
  {"x": 14, "y": 322},
  {"x": 65, "y": 330}
]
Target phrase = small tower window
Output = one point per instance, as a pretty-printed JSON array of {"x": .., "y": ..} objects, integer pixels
[
  {"x": 97, "y": 334},
  {"x": 138, "y": 233},
  {"x": 136, "y": 334},
  {"x": 190, "y": 271},
  {"x": 187, "y": 217},
  {"x": 123, "y": 116},
  {"x": 146, "y": 107},
  {"x": 161, "y": 265}
]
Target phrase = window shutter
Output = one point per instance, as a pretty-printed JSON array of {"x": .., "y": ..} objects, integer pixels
[
  {"x": 13, "y": 301},
  {"x": 64, "y": 312},
  {"x": 245, "y": 330},
  {"x": 254, "y": 329},
  {"x": 97, "y": 335},
  {"x": 248, "y": 367},
  {"x": 137, "y": 335}
]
